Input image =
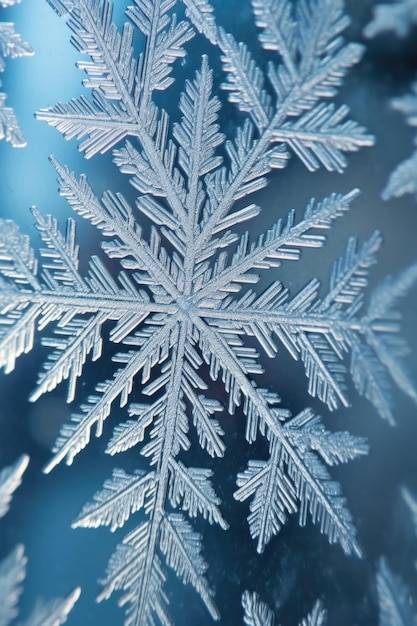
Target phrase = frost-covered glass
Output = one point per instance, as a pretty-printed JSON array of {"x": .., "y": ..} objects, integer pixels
[{"x": 210, "y": 360}]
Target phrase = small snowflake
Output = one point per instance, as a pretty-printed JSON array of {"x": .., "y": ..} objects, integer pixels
[{"x": 11, "y": 45}]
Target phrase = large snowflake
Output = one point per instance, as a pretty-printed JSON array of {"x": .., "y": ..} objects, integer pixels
[{"x": 184, "y": 306}]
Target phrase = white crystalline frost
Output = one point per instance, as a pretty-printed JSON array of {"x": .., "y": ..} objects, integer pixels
[{"x": 184, "y": 308}]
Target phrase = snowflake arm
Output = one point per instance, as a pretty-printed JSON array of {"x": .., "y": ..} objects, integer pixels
[
  {"x": 394, "y": 598},
  {"x": 9, "y": 126},
  {"x": 60, "y": 293},
  {"x": 257, "y": 613},
  {"x": 122, "y": 495},
  {"x": 411, "y": 502},
  {"x": 198, "y": 136},
  {"x": 114, "y": 217},
  {"x": 10, "y": 480},
  {"x": 75, "y": 436},
  {"x": 115, "y": 112},
  {"x": 11, "y": 45},
  {"x": 317, "y": 617},
  {"x": 320, "y": 134},
  {"x": 403, "y": 179},
  {"x": 283, "y": 241},
  {"x": 12, "y": 573},
  {"x": 53, "y": 612},
  {"x": 279, "y": 30},
  {"x": 165, "y": 41},
  {"x": 299, "y": 476},
  {"x": 304, "y": 479},
  {"x": 320, "y": 332},
  {"x": 136, "y": 566}
]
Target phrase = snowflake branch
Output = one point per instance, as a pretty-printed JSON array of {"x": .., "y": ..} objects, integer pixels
[
  {"x": 282, "y": 242},
  {"x": 334, "y": 518},
  {"x": 75, "y": 436}
]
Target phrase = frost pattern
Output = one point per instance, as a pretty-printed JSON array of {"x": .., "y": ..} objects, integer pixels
[
  {"x": 11, "y": 45},
  {"x": 398, "y": 17},
  {"x": 13, "y": 567},
  {"x": 183, "y": 307},
  {"x": 257, "y": 613}
]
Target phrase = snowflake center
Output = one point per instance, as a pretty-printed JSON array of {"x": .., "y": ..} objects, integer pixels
[{"x": 184, "y": 304}]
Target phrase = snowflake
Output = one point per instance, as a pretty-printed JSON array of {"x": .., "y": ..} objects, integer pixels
[
  {"x": 395, "y": 606},
  {"x": 404, "y": 178},
  {"x": 11, "y": 45},
  {"x": 13, "y": 567},
  {"x": 184, "y": 306},
  {"x": 397, "y": 17},
  {"x": 394, "y": 598},
  {"x": 257, "y": 613}
]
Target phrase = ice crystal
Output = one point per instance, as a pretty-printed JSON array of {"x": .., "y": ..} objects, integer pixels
[
  {"x": 13, "y": 567},
  {"x": 11, "y": 45},
  {"x": 398, "y": 17},
  {"x": 184, "y": 306},
  {"x": 257, "y": 613}
]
